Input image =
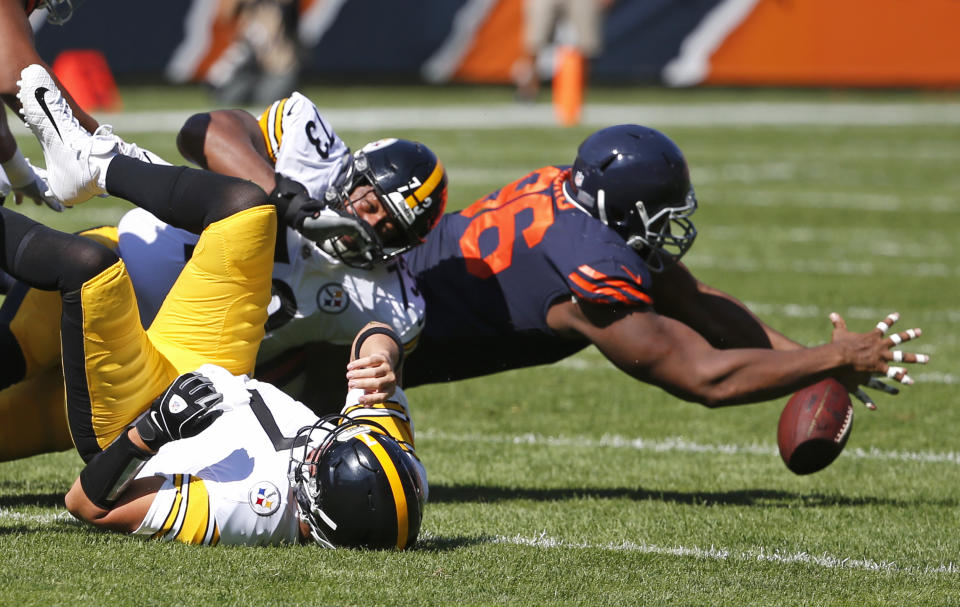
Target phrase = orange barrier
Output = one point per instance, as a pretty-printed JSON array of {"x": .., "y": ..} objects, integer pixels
[
  {"x": 843, "y": 43},
  {"x": 568, "y": 85},
  {"x": 87, "y": 77}
]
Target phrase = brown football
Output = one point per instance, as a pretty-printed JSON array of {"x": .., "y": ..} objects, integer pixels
[{"x": 815, "y": 426}]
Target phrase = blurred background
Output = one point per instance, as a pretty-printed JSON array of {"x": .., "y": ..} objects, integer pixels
[{"x": 255, "y": 51}]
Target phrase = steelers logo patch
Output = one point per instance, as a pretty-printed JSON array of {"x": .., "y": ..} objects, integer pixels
[
  {"x": 332, "y": 299},
  {"x": 264, "y": 498}
]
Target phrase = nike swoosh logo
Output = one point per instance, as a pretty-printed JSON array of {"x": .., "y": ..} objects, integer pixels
[{"x": 39, "y": 93}]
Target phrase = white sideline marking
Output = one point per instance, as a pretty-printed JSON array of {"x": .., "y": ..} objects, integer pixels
[
  {"x": 40, "y": 519},
  {"x": 582, "y": 364},
  {"x": 950, "y": 315},
  {"x": 503, "y": 115},
  {"x": 761, "y": 553},
  {"x": 683, "y": 445},
  {"x": 815, "y": 199},
  {"x": 826, "y": 266}
]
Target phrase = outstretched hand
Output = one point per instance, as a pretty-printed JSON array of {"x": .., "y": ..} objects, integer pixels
[
  {"x": 375, "y": 376},
  {"x": 869, "y": 356}
]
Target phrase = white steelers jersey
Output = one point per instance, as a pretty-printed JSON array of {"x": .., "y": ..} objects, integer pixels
[
  {"x": 301, "y": 144},
  {"x": 229, "y": 484},
  {"x": 316, "y": 298}
]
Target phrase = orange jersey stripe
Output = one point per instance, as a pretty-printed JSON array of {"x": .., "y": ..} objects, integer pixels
[
  {"x": 612, "y": 287},
  {"x": 597, "y": 290}
]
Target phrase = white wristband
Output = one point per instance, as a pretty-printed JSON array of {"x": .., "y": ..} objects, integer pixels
[{"x": 18, "y": 170}]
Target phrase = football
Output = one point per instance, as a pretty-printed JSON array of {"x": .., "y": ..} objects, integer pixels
[{"x": 815, "y": 426}]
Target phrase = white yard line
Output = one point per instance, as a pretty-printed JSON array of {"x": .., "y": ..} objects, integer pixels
[
  {"x": 495, "y": 116},
  {"x": 679, "y": 444},
  {"x": 759, "y": 554},
  {"x": 583, "y": 363},
  {"x": 827, "y": 267},
  {"x": 7, "y": 515}
]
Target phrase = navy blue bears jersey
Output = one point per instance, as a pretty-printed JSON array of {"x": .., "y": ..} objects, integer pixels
[{"x": 489, "y": 274}]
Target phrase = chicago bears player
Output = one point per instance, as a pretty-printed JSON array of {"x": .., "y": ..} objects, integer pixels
[
  {"x": 322, "y": 293},
  {"x": 565, "y": 257},
  {"x": 214, "y": 457}
]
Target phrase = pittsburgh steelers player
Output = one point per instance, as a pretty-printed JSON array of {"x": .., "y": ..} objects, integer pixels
[
  {"x": 323, "y": 294},
  {"x": 320, "y": 299},
  {"x": 179, "y": 444}
]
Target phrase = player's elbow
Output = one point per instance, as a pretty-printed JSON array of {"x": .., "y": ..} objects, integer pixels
[
  {"x": 80, "y": 506},
  {"x": 77, "y": 503},
  {"x": 706, "y": 388},
  {"x": 191, "y": 138}
]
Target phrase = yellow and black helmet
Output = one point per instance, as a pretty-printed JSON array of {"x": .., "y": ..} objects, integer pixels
[{"x": 357, "y": 488}]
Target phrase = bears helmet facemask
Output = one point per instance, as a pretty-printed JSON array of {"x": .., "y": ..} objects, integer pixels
[
  {"x": 635, "y": 180},
  {"x": 355, "y": 485},
  {"x": 410, "y": 182}
]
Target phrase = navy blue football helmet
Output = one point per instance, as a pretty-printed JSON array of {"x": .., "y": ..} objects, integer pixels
[
  {"x": 635, "y": 180},
  {"x": 355, "y": 485}
]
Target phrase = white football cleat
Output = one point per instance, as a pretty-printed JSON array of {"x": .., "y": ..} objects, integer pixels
[{"x": 75, "y": 159}]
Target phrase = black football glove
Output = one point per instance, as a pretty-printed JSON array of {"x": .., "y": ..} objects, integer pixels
[
  {"x": 302, "y": 213},
  {"x": 184, "y": 410},
  {"x": 293, "y": 202}
]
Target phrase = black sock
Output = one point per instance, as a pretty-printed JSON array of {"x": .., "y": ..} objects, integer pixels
[
  {"x": 48, "y": 259},
  {"x": 185, "y": 198}
]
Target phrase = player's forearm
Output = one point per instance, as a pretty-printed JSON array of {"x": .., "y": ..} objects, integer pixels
[
  {"x": 106, "y": 478},
  {"x": 749, "y": 375},
  {"x": 379, "y": 338}
]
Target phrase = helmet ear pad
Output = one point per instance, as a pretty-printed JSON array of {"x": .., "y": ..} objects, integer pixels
[{"x": 370, "y": 493}]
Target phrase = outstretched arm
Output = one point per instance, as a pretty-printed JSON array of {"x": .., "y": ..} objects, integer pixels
[
  {"x": 669, "y": 354},
  {"x": 719, "y": 317}
]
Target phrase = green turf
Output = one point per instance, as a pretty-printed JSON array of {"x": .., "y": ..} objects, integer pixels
[{"x": 540, "y": 490}]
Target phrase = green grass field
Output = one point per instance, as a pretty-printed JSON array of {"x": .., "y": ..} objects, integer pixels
[{"x": 573, "y": 484}]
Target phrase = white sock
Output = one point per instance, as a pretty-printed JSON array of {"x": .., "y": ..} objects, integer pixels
[{"x": 101, "y": 163}]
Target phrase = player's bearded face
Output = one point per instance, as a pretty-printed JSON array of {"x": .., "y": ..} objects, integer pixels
[{"x": 364, "y": 204}]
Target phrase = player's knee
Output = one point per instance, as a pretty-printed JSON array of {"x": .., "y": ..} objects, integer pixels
[
  {"x": 86, "y": 259},
  {"x": 237, "y": 196},
  {"x": 191, "y": 138},
  {"x": 15, "y": 366}
]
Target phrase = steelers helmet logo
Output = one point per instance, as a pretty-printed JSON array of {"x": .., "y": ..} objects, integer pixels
[
  {"x": 264, "y": 498},
  {"x": 332, "y": 299}
]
